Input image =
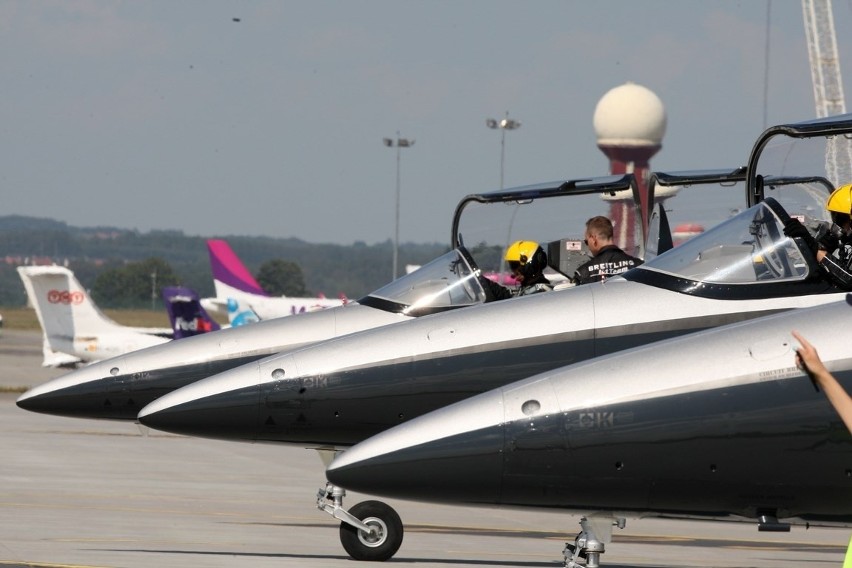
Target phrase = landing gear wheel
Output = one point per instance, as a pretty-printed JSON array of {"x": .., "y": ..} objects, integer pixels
[{"x": 382, "y": 542}]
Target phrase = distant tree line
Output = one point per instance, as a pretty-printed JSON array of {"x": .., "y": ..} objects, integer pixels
[{"x": 123, "y": 268}]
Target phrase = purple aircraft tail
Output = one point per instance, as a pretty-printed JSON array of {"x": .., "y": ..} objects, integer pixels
[
  {"x": 185, "y": 312},
  {"x": 229, "y": 269}
]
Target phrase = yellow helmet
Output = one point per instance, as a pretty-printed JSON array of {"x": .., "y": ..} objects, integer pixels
[
  {"x": 840, "y": 200},
  {"x": 521, "y": 251}
]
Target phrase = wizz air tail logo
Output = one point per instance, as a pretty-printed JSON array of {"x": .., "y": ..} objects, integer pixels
[{"x": 65, "y": 297}]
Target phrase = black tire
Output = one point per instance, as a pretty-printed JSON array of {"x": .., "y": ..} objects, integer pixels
[{"x": 376, "y": 547}]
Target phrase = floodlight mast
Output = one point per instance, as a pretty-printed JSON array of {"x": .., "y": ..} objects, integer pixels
[
  {"x": 397, "y": 143},
  {"x": 505, "y": 124}
]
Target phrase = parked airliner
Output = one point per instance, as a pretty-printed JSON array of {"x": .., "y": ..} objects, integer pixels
[
  {"x": 240, "y": 296},
  {"x": 186, "y": 314},
  {"x": 74, "y": 329}
]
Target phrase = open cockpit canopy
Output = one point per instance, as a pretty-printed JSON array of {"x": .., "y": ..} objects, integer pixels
[
  {"x": 488, "y": 223},
  {"x": 748, "y": 256},
  {"x": 739, "y": 252},
  {"x": 554, "y": 215}
]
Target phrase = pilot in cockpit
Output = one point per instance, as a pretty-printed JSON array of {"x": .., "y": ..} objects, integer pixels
[
  {"x": 832, "y": 245},
  {"x": 527, "y": 261}
]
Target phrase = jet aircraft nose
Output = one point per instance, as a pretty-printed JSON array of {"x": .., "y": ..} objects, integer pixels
[
  {"x": 456, "y": 450},
  {"x": 224, "y": 406},
  {"x": 100, "y": 390}
]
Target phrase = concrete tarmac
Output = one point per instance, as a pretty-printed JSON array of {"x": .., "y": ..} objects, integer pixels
[
  {"x": 87, "y": 493},
  {"x": 20, "y": 360}
]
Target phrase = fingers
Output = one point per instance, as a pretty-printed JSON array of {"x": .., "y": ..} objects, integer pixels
[
  {"x": 805, "y": 354},
  {"x": 806, "y": 347}
]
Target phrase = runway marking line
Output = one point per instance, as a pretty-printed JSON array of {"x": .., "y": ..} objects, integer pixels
[{"x": 45, "y": 564}]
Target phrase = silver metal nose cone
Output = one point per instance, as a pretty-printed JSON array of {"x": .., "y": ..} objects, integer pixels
[
  {"x": 217, "y": 407},
  {"x": 87, "y": 393},
  {"x": 465, "y": 468},
  {"x": 452, "y": 454}
]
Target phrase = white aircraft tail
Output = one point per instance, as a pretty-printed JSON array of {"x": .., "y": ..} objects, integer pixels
[
  {"x": 72, "y": 324},
  {"x": 62, "y": 306}
]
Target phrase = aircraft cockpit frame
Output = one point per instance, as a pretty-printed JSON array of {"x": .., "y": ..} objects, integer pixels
[
  {"x": 817, "y": 152},
  {"x": 532, "y": 213}
]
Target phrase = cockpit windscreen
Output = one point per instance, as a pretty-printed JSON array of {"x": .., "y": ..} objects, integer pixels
[
  {"x": 447, "y": 282},
  {"x": 748, "y": 248}
]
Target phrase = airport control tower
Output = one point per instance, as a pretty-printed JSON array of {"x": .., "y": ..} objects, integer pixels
[{"x": 630, "y": 122}]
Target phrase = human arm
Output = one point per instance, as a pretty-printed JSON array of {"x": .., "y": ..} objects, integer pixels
[
  {"x": 794, "y": 229},
  {"x": 582, "y": 274},
  {"x": 822, "y": 246},
  {"x": 838, "y": 274},
  {"x": 808, "y": 360},
  {"x": 493, "y": 291}
]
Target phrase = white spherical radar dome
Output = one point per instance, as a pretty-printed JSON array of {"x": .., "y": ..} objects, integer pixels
[{"x": 630, "y": 115}]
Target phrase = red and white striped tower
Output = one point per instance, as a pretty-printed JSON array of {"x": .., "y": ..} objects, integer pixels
[{"x": 630, "y": 122}]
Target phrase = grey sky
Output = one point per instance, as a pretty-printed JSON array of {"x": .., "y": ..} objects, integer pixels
[{"x": 171, "y": 115}]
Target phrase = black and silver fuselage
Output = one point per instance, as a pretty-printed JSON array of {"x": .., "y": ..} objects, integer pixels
[
  {"x": 713, "y": 424},
  {"x": 341, "y": 391},
  {"x": 118, "y": 388}
]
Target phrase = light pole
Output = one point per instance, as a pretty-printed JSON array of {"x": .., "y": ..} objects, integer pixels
[
  {"x": 505, "y": 124},
  {"x": 153, "y": 288},
  {"x": 397, "y": 143}
]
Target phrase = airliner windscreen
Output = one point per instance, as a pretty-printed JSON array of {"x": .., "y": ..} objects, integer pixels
[{"x": 449, "y": 281}]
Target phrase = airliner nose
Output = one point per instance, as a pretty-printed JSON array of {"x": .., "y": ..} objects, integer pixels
[
  {"x": 454, "y": 454},
  {"x": 225, "y": 406}
]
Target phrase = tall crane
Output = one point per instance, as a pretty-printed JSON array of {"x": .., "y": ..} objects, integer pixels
[{"x": 827, "y": 82}]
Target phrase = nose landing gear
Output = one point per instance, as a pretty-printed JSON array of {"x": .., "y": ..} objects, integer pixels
[
  {"x": 587, "y": 548},
  {"x": 384, "y": 537},
  {"x": 371, "y": 530}
]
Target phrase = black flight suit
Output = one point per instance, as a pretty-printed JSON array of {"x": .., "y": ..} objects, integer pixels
[
  {"x": 610, "y": 261},
  {"x": 836, "y": 265},
  {"x": 495, "y": 291}
]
